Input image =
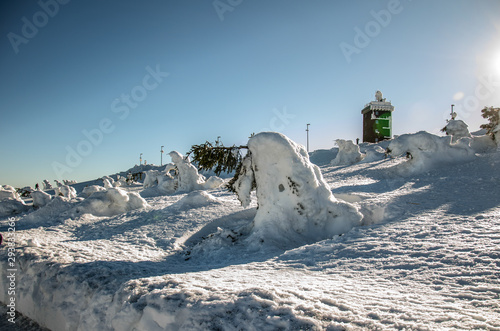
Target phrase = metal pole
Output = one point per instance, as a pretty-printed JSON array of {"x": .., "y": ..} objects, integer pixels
[
  {"x": 161, "y": 156},
  {"x": 307, "y": 129}
]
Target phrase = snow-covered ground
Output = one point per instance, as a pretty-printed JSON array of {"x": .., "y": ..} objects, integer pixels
[{"x": 427, "y": 256}]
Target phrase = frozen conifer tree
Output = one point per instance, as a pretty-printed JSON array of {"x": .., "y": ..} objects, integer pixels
[
  {"x": 295, "y": 204},
  {"x": 493, "y": 127}
]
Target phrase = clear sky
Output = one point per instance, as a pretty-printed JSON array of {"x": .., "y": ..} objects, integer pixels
[{"x": 87, "y": 86}]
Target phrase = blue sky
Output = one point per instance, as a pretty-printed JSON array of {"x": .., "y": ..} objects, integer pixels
[{"x": 108, "y": 80}]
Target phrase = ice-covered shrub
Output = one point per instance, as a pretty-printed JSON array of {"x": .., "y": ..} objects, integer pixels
[
  {"x": 424, "y": 150},
  {"x": 188, "y": 178},
  {"x": 40, "y": 198},
  {"x": 457, "y": 129},
  {"x": 295, "y": 203},
  {"x": 65, "y": 191},
  {"x": 151, "y": 178},
  {"x": 110, "y": 202},
  {"x": 348, "y": 153},
  {"x": 46, "y": 185}
]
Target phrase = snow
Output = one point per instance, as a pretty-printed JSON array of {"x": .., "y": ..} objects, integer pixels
[
  {"x": 426, "y": 256},
  {"x": 295, "y": 203},
  {"x": 66, "y": 191},
  {"x": 425, "y": 151},
  {"x": 40, "y": 198},
  {"x": 89, "y": 190},
  {"x": 112, "y": 201},
  {"x": 348, "y": 153},
  {"x": 457, "y": 129}
]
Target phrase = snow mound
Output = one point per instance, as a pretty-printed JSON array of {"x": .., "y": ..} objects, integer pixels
[
  {"x": 373, "y": 152},
  {"x": 53, "y": 211},
  {"x": 40, "y": 198},
  {"x": 296, "y": 205},
  {"x": 65, "y": 191},
  {"x": 10, "y": 201},
  {"x": 111, "y": 202},
  {"x": 425, "y": 150},
  {"x": 196, "y": 199},
  {"x": 483, "y": 144},
  {"x": 8, "y": 192},
  {"x": 348, "y": 153},
  {"x": 89, "y": 190}
]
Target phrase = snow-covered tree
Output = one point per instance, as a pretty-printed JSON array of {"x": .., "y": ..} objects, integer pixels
[
  {"x": 493, "y": 127},
  {"x": 457, "y": 129},
  {"x": 46, "y": 185},
  {"x": 295, "y": 204}
]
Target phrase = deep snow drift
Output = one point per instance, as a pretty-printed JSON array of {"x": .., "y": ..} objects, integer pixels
[{"x": 426, "y": 256}]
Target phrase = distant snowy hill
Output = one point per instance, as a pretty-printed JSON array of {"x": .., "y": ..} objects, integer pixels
[{"x": 426, "y": 255}]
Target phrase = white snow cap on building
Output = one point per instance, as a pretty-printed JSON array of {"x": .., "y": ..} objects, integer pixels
[{"x": 296, "y": 205}]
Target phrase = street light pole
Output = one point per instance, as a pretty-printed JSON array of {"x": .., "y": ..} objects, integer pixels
[
  {"x": 307, "y": 129},
  {"x": 161, "y": 155}
]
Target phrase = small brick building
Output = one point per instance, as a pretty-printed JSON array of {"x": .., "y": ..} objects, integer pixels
[{"x": 377, "y": 119}]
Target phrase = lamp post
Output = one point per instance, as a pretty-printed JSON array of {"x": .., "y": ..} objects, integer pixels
[
  {"x": 307, "y": 130},
  {"x": 140, "y": 159},
  {"x": 161, "y": 156},
  {"x": 453, "y": 114}
]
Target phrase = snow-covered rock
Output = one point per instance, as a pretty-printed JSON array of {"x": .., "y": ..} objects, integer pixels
[
  {"x": 40, "y": 198},
  {"x": 110, "y": 202},
  {"x": 348, "y": 153},
  {"x": 65, "y": 191},
  {"x": 425, "y": 150},
  {"x": 296, "y": 205}
]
